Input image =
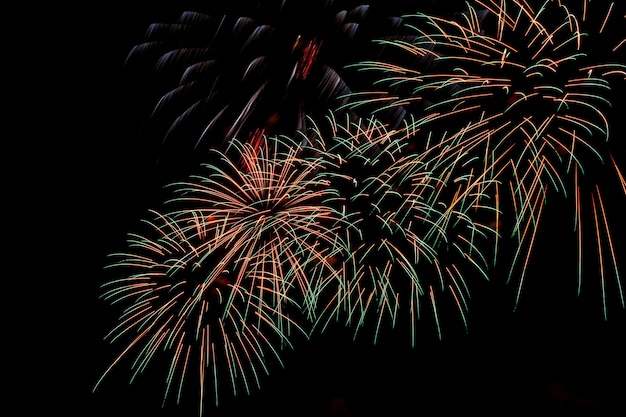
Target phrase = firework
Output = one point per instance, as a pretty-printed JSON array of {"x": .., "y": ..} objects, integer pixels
[
  {"x": 258, "y": 70},
  {"x": 222, "y": 279},
  {"x": 524, "y": 74},
  {"x": 420, "y": 221}
]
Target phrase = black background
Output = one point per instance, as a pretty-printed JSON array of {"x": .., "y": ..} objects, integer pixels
[{"x": 87, "y": 180}]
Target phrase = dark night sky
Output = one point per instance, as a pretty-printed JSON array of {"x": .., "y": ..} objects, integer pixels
[{"x": 556, "y": 353}]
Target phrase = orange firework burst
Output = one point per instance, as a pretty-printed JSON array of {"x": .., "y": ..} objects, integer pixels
[{"x": 223, "y": 282}]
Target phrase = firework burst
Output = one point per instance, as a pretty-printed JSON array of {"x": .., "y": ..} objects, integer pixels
[
  {"x": 231, "y": 270},
  {"x": 258, "y": 70},
  {"x": 421, "y": 217},
  {"x": 522, "y": 72}
]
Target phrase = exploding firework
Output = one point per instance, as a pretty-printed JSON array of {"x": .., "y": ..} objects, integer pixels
[
  {"x": 256, "y": 71},
  {"x": 524, "y": 74},
  {"x": 421, "y": 219},
  {"x": 224, "y": 277}
]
